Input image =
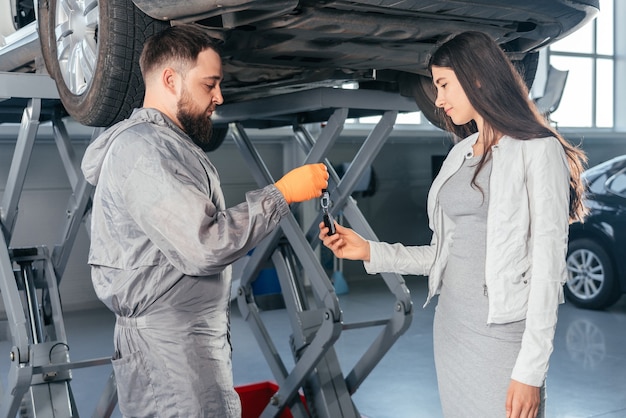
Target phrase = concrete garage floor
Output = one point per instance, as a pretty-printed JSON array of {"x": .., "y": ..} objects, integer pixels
[{"x": 587, "y": 375}]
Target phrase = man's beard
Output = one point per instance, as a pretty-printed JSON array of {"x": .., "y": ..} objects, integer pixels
[{"x": 197, "y": 125}]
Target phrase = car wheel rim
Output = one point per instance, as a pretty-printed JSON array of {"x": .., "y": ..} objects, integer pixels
[
  {"x": 76, "y": 32},
  {"x": 586, "y": 274}
]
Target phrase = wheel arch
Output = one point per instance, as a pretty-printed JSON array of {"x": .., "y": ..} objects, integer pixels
[{"x": 607, "y": 243}]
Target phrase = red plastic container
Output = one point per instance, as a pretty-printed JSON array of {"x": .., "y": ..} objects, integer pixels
[{"x": 255, "y": 397}]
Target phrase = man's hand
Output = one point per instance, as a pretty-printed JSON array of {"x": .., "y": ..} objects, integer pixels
[
  {"x": 303, "y": 183},
  {"x": 522, "y": 401}
]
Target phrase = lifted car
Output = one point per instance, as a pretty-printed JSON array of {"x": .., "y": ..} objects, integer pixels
[{"x": 91, "y": 48}]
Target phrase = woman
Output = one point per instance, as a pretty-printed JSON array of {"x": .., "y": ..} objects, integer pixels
[{"x": 499, "y": 210}]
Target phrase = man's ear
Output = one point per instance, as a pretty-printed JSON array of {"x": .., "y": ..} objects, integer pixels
[{"x": 170, "y": 80}]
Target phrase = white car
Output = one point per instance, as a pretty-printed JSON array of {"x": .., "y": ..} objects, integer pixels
[{"x": 91, "y": 48}]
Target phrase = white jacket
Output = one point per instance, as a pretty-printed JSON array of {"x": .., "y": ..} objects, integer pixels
[{"x": 527, "y": 233}]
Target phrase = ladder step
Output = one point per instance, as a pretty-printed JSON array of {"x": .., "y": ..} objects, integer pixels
[
  {"x": 365, "y": 324},
  {"x": 72, "y": 365}
]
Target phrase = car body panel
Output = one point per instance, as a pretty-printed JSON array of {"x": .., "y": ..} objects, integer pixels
[
  {"x": 7, "y": 25},
  {"x": 199, "y": 9},
  {"x": 294, "y": 42},
  {"x": 21, "y": 49},
  {"x": 269, "y": 45}
]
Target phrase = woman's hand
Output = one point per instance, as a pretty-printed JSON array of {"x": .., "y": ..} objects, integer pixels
[
  {"x": 345, "y": 243},
  {"x": 522, "y": 401}
]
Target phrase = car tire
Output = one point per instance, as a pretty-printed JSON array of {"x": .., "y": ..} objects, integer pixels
[
  {"x": 422, "y": 90},
  {"x": 97, "y": 71},
  {"x": 218, "y": 134},
  {"x": 591, "y": 283}
]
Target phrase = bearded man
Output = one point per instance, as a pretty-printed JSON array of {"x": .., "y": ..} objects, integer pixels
[{"x": 162, "y": 240}]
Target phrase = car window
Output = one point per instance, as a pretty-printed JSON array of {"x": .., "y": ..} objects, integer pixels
[
  {"x": 597, "y": 184},
  {"x": 617, "y": 183}
]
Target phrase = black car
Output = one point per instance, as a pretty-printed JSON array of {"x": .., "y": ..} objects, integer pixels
[{"x": 596, "y": 257}]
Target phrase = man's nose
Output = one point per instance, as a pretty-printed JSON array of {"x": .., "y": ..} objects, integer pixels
[{"x": 218, "y": 99}]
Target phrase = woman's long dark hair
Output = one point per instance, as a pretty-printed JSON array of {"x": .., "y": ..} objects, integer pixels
[{"x": 498, "y": 93}]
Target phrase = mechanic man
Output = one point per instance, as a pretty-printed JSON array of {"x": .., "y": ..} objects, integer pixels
[{"x": 162, "y": 240}]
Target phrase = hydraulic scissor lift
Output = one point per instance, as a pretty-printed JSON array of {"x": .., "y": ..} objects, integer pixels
[
  {"x": 315, "y": 315},
  {"x": 40, "y": 372},
  {"x": 38, "y": 381}
]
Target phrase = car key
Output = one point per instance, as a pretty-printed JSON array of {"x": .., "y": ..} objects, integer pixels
[{"x": 329, "y": 221}]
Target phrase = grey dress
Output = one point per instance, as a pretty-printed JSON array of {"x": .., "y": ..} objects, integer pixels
[{"x": 474, "y": 361}]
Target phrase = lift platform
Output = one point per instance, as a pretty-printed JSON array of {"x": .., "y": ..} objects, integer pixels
[{"x": 40, "y": 372}]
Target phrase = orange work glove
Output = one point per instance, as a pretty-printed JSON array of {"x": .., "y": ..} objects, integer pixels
[{"x": 303, "y": 183}]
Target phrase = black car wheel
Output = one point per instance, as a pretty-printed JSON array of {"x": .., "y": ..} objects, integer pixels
[
  {"x": 422, "y": 90},
  {"x": 91, "y": 49},
  {"x": 592, "y": 283},
  {"x": 218, "y": 135}
]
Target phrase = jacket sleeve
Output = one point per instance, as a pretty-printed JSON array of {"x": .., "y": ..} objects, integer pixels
[
  {"x": 547, "y": 182},
  {"x": 400, "y": 259},
  {"x": 180, "y": 217}
]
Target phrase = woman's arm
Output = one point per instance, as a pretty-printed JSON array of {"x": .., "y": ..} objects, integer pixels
[
  {"x": 378, "y": 257},
  {"x": 547, "y": 181}
]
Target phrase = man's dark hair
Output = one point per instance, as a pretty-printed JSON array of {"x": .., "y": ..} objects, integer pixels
[{"x": 176, "y": 46}]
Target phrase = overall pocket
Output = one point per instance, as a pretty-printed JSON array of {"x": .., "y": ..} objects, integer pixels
[{"x": 134, "y": 389}]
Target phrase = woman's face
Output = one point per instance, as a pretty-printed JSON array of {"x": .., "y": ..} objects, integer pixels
[{"x": 451, "y": 96}]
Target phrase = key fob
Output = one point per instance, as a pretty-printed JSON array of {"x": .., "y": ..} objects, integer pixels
[{"x": 329, "y": 223}]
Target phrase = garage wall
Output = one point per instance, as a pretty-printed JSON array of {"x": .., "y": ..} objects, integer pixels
[{"x": 403, "y": 171}]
